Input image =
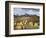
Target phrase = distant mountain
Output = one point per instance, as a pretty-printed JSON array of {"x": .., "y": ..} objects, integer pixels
[{"x": 25, "y": 15}]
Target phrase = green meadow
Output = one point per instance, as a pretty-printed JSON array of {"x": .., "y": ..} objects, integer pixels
[{"x": 26, "y": 22}]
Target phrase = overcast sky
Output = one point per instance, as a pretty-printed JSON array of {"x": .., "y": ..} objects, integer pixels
[{"x": 23, "y": 11}]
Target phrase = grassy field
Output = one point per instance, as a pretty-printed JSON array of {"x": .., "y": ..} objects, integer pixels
[{"x": 26, "y": 22}]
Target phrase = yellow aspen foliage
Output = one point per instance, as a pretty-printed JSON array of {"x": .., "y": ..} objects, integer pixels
[
  {"x": 25, "y": 21},
  {"x": 36, "y": 25},
  {"x": 18, "y": 27},
  {"x": 21, "y": 23},
  {"x": 17, "y": 23},
  {"x": 30, "y": 24}
]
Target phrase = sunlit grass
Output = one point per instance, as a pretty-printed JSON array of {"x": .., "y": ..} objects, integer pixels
[
  {"x": 25, "y": 23},
  {"x": 27, "y": 26}
]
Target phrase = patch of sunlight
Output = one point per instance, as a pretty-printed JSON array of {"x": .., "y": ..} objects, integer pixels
[{"x": 21, "y": 23}]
